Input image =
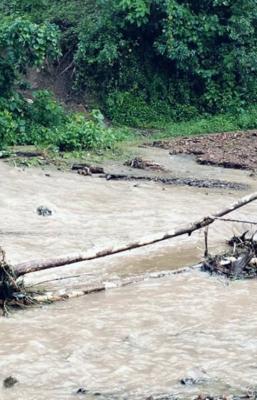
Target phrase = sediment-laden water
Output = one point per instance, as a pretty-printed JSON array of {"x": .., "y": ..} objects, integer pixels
[
  {"x": 133, "y": 341},
  {"x": 136, "y": 341}
]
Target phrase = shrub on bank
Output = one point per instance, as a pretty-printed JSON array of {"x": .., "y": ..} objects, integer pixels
[{"x": 82, "y": 134}]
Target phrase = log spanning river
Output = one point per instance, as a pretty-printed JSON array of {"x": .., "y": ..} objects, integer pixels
[{"x": 131, "y": 342}]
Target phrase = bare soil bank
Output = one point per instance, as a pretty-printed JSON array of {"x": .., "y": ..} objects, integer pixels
[{"x": 230, "y": 150}]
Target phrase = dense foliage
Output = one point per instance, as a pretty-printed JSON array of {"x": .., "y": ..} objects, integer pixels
[
  {"x": 147, "y": 61},
  {"x": 170, "y": 57},
  {"x": 23, "y": 45},
  {"x": 40, "y": 119}
]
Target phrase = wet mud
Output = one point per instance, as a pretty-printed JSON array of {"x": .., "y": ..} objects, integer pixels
[{"x": 199, "y": 183}]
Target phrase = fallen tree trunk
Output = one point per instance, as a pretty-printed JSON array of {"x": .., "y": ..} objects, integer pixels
[
  {"x": 60, "y": 295},
  {"x": 38, "y": 265}
]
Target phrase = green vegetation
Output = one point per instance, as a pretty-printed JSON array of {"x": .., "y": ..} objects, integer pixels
[
  {"x": 215, "y": 123},
  {"x": 23, "y": 45},
  {"x": 184, "y": 66}
]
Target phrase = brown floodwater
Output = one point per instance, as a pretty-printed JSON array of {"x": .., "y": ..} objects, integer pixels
[
  {"x": 137, "y": 340},
  {"x": 131, "y": 341}
]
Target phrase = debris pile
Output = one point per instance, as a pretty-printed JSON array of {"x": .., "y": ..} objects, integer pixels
[
  {"x": 87, "y": 169},
  {"x": 11, "y": 291},
  {"x": 239, "y": 263}
]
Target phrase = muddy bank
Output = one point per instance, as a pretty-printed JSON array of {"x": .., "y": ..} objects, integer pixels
[
  {"x": 230, "y": 150},
  {"x": 199, "y": 183}
]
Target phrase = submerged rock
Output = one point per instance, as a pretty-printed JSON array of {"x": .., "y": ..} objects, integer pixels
[
  {"x": 195, "y": 377},
  {"x": 82, "y": 391}
]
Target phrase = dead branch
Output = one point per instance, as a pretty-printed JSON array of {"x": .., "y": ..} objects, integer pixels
[
  {"x": 38, "y": 265},
  {"x": 68, "y": 68},
  {"x": 206, "y": 251},
  {"x": 240, "y": 221}
]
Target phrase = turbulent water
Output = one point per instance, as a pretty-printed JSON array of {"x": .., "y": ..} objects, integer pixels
[
  {"x": 138, "y": 341},
  {"x": 133, "y": 341}
]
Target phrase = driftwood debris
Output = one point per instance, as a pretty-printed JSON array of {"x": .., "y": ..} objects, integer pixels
[
  {"x": 87, "y": 169},
  {"x": 11, "y": 290},
  {"x": 38, "y": 265},
  {"x": 140, "y": 163},
  {"x": 240, "y": 263}
]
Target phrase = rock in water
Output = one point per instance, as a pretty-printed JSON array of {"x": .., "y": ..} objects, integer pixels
[
  {"x": 9, "y": 382},
  {"x": 44, "y": 211},
  {"x": 82, "y": 391}
]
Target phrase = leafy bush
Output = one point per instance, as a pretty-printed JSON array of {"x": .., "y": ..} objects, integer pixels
[
  {"x": 45, "y": 110},
  {"x": 24, "y": 44},
  {"x": 82, "y": 134},
  {"x": 32, "y": 120},
  {"x": 125, "y": 107},
  {"x": 247, "y": 119},
  {"x": 133, "y": 109},
  {"x": 7, "y": 128}
]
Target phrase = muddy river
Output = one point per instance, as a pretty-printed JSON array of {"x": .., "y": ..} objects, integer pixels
[{"x": 134, "y": 341}]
